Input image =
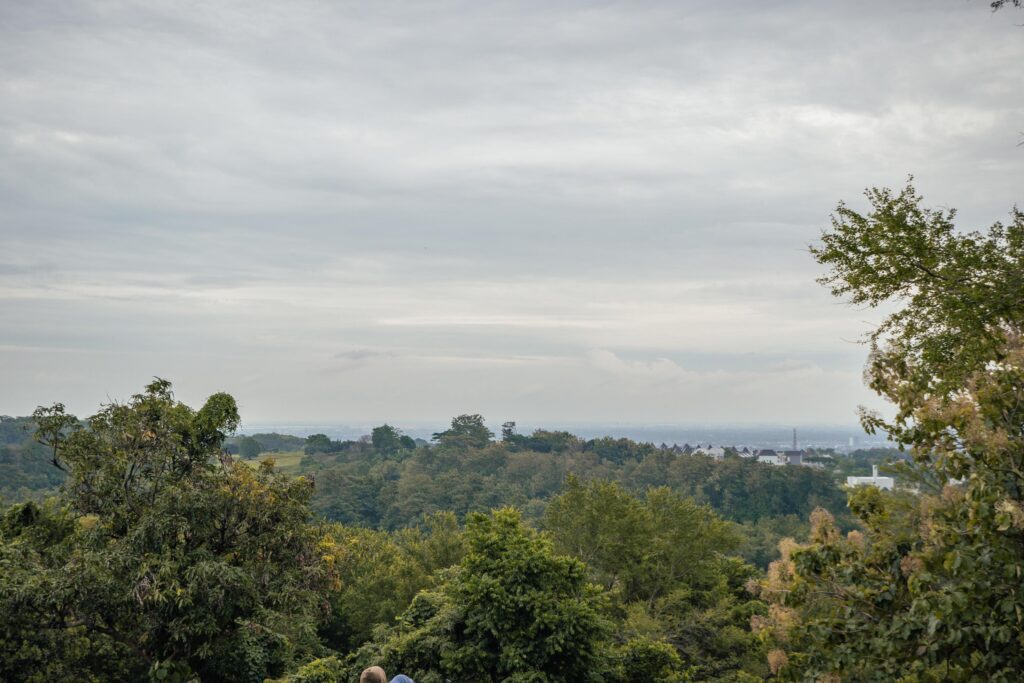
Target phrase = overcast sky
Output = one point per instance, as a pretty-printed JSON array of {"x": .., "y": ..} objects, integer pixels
[{"x": 543, "y": 211}]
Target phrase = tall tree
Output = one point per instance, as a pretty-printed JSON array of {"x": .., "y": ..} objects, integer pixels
[
  {"x": 164, "y": 557},
  {"x": 932, "y": 589},
  {"x": 249, "y": 448},
  {"x": 663, "y": 561},
  {"x": 512, "y": 610},
  {"x": 386, "y": 439},
  {"x": 466, "y": 431}
]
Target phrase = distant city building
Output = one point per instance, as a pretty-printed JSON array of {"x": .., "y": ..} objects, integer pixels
[
  {"x": 792, "y": 457},
  {"x": 767, "y": 456},
  {"x": 770, "y": 456},
  {"x": 884, "y": 483},
  {"x": 714, "y": 452}
]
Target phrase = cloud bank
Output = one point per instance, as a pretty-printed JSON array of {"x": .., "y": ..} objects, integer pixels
[{"x": 539, "y": 211}]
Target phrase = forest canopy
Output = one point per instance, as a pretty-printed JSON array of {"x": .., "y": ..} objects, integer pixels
[
  {"x": 138, "y": 546},
  {"x": 163, "y": 556}
]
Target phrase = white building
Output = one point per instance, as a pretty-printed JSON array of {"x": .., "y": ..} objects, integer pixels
[
  {"x": 716, "y": 452},
  {"x": 768, "y": 456},
  {"x": 884, "y": 483}
]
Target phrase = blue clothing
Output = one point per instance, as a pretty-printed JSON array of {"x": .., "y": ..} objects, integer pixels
[{"x": 402, "y": 678}]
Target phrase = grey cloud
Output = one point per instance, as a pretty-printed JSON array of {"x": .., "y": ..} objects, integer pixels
[
  {"x": 361, "y": 354},
  {"x": 264, "y": 185}
]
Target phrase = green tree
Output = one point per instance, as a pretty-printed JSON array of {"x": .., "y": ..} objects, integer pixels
[
  {"x": 643, "y": 659},
  {"x": 379, "y": 573},
  {"x": 760, "y": 546},
  {"x": 544, "y": 441},
  {"x": 318, "y": 443},
  {"x": 25, "y": 472},
  {"x": 961, "y": 295},
  {"x": 932, "y": 588},
  {"x": 386, "y": 439},
  {"x": 511, "y": 610},
  {"x": 163, "y": 558},
  {"x": 466, "y": 431},
  {"x": 663, "y": 559},
  {"x": 249, "y": 448},
  {"x": 605, "y": 527}
]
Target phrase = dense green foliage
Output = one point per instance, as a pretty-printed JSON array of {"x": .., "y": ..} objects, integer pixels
[
  {"x": 387, "y": 482},
  {"x": 24, "y": 471},
  {"x": 365, "y": 487},
  {"x": 664, "y": 562},
  {"x": 387, "y": 439},
  {"x": 466, "y": 431},
  {"x": 249, "y": 448},
  {"x": 161, "y": 557},
  {"x": 378, "y": 573},
  {"x": 511, "y": 610},
  {"x": 164, "y": 558}
]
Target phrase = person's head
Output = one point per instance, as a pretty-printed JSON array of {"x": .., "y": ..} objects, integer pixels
[{"x": 374, "y": 674}]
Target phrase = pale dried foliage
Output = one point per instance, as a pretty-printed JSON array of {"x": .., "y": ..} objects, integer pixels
[
  {"x": 777, "y": 661},
  {"x": 952, "y": 494},
  {"x": 1013, "y": 510},
  {"x": 780, "y": 573},
  {"x": 910, "y": 565},
  {"x": 855, "y": 539},
  {"x": 823, "y": 527},
  {"x": 971, "y": 433},
  {"x": 779, "y": 622},
  {"x": 782, "y": 616},
  {"x": 782, "y": 620},
  {"x": 930, "y": 507},
  {"x": 978, "y": 432},
  {"x": 786, "y": 548},
  {"x": 88, "y": 522}
]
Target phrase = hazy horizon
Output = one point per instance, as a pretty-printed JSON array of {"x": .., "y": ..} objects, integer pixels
[
  {"x": 842, "y": 437},
  {"x": 402, "y": 212}
]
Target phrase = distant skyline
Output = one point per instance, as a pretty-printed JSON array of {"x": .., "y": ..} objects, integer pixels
[
  {"x": 549, "y": 212},
  {"x": 845, "y": 438}
]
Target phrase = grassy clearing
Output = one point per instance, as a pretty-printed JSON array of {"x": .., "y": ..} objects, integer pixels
[{"x": 286, "y": 461}]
